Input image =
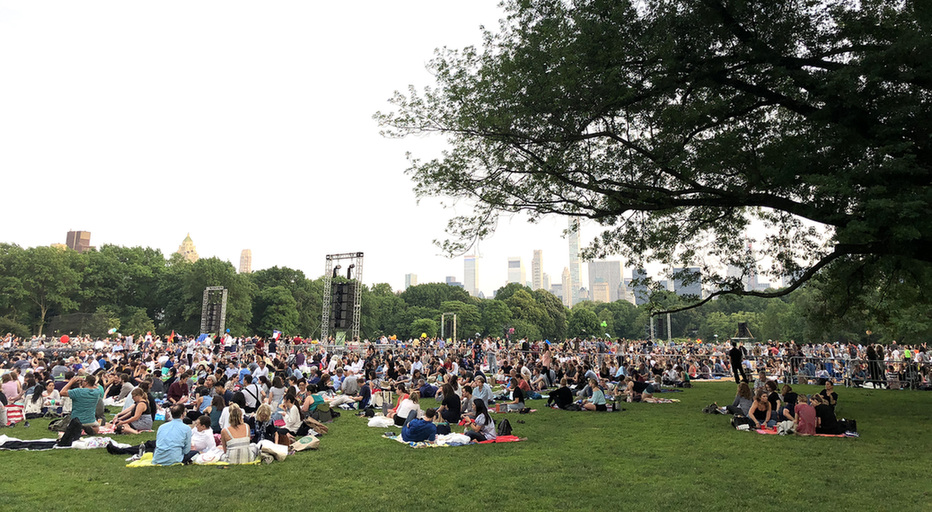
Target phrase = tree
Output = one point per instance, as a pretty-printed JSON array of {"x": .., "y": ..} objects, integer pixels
[
  {"x": 50, "y": 280},
  {"x": 430, "y": 295},
  {"x": 274, "y": 308},
  {"x": 676, "y": 124},
  {"x": 495, "y": 315},
  {"x": 136, "y": 322},
  {"x": 423, "y": 326},
  {"x": 583, "y": 322},
  {"x": 468, "y": 318}
]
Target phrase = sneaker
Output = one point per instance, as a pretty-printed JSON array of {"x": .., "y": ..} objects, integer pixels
[
  {"x": 142, "y": 450},
  {"x": 133, "y": 458}
]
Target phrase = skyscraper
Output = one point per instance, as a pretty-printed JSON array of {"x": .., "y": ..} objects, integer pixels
[
  {"x": 78, "y": 240},
  {"x": 187, "y": 249},
  {"x": 688, "y": 281},
  {"x": 567, "y": 288},
  {"x": 640, "y": 290},
  {"x": 245, "y": 261},
  {"x": 516, "y": 272},
  {"x": 471, "y": 275},
  {"x": 607, "y": 273},
  {"x": 574, "y": 261},
  {"x": 546, "y": 284},
  {"x": 537, "y": 271},
  {"x": 410, "y": 280}
]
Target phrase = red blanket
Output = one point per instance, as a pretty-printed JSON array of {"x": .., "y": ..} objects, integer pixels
[{"x": 502, "y": 439}]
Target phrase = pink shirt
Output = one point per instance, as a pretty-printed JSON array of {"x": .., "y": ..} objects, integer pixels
[{"x": 807, "y": 419}]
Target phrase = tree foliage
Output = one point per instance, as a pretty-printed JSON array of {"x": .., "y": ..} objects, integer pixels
[{"x": 677, "y": 124}]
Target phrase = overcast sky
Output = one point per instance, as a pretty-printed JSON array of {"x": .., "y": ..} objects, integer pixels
[{"x": 248, "y": 125}]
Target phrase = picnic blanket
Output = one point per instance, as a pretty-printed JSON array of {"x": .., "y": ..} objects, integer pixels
[
  {"x": 85, "y": 443},
  {"x": 654, "y": 400},
  {"x": 773, "y": 431},
  {"x": 444, "y": 441},
  {"x": 146, "y": 462},
  {"x": 107, "y": 428}
]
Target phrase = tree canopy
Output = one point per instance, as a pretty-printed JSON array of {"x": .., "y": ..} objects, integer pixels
[{"x": 677, "y": 125}]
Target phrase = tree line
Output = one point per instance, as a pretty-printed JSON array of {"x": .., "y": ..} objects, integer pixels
[{"x": 134, "y": 290}]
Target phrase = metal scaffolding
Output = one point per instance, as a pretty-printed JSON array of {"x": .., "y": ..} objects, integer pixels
[
  {"x": 214, "y": 310},
  {"x": 329, "y": 271}
]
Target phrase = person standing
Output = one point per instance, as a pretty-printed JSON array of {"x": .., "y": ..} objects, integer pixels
[{"x": 737, "y": 356}]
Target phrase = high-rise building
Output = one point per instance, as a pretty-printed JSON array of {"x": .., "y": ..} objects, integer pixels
[
  {"x": 187, "y": 249},
  {"x": 608, "y": 273},
  {"x": 687, "y": 281},
  {"x": 537, "y": 270},
  {"x": 245, "y": 261},
  {"x": 556, "y": 289},
  {"x": 574, "y": 261},
  {"x": 410, "y": 280},
  {"x": 451, "y": 281},
  {"x": 567, "y": 286},
  {"x": 600, "y": 292},
  {"x": 471, "y": 275},
  {"x": 640, "y": 290},
  {"x": 516, "y": 272},
  {"x": 546, "y": 284},
  {"x": 79, "y": 240}
]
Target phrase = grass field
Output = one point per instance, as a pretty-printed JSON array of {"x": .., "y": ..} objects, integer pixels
[{"x": 649, "y": 457}]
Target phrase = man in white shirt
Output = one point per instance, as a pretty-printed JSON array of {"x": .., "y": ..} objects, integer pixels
[
  {"x": 202, "y": 438},
  {"x": 261, "y": 370},
  {"x": 251, "y": 392}
]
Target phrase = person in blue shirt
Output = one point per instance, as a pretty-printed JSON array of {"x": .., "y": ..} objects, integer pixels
[
  {"x": 243, "y": 372},
  {"x": 173, "y": 439},
  {"x": 415, "y": 430}
]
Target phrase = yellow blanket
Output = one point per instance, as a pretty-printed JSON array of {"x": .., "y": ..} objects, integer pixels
[{"x": 146, "y": 462}]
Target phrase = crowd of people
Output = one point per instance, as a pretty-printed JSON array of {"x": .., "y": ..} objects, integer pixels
[{"x": 238, "y": 388}]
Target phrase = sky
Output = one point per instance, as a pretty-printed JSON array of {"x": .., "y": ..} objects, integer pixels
[{"x": 245, "y": 124}]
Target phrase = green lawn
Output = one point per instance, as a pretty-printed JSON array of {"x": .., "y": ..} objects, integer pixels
[{"x": 650, "y": 457}]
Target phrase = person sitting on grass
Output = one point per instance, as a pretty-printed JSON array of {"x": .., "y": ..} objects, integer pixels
[
  {"x": 417, "y": 430},
  {"x": 804, "y": 419},
  {"x": 450, "y": 406},
  {"x": 562, "y": 397},
  {"x": 136, "y": 418},
  {"x": 294, "y": 427},
  {"x": 467, "y": 408},
  {"x": 826, "y": 422},
  {"x": 482, "y": 428},
  {"x": 760, "y": 411},
  {"x": 84, "y": 402},
  {"x": 743, "y": 401},
  {"x": 481, "y": 390},
  {"x": 517, "y": 397},
  {"x": 235, "y": 438},
  {"x": 597, "y": 402},
  {"x": 173, "y": 439},
  {"x": 788, "y": 408},
  {"x": 637, "y": 390},
  {"x": 202, "y": 439},
  {"x": 829, "y": 396}
]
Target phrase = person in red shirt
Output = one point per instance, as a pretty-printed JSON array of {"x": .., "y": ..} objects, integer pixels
[
  {"x": 805, "y": 422},
  {"x": 178, "y": 392}
]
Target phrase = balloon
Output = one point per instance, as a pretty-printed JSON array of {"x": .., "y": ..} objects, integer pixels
[
  {"x": 423, "y": 334},
  {"x": 112, "y": 330},
  {"x": 65, "y": 339}
]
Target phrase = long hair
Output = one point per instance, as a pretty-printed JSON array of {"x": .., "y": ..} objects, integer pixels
[
  {"x": 482, "y": 410},
  {"x": 236, "y": 415}
]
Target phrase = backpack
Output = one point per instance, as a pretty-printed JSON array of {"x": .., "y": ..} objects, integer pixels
[
  {"x": 60, "y": 424},
  {"x": 737, "y": 420},
  {"x": 504, "y": 428}
]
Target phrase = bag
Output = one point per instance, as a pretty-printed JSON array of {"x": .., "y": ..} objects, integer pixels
[
  {"x": 443, "y": 429},
  {"x": 60, "y": 424},
  {"x": 710, "y": 409},
  {"x": 369, "y": 412},
  {"x": 306, "y": 443},
  {"x": 737, "y": 420},
  {"x": 849, "y": 425},
  {"x": 785, "y": 427},
  {"x": 504, "y": 428}
]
